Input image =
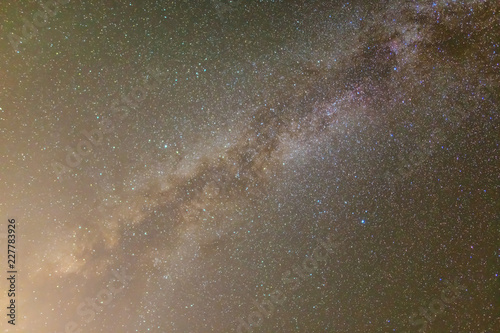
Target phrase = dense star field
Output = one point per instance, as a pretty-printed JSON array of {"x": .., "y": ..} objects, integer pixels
[{"x": 251, "y": 166}]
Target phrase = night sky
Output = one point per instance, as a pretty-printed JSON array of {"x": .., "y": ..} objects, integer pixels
[{"x": 251, "y": 166}]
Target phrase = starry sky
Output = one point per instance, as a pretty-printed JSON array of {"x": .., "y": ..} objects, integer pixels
[{"x": 251, "y": 166}]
